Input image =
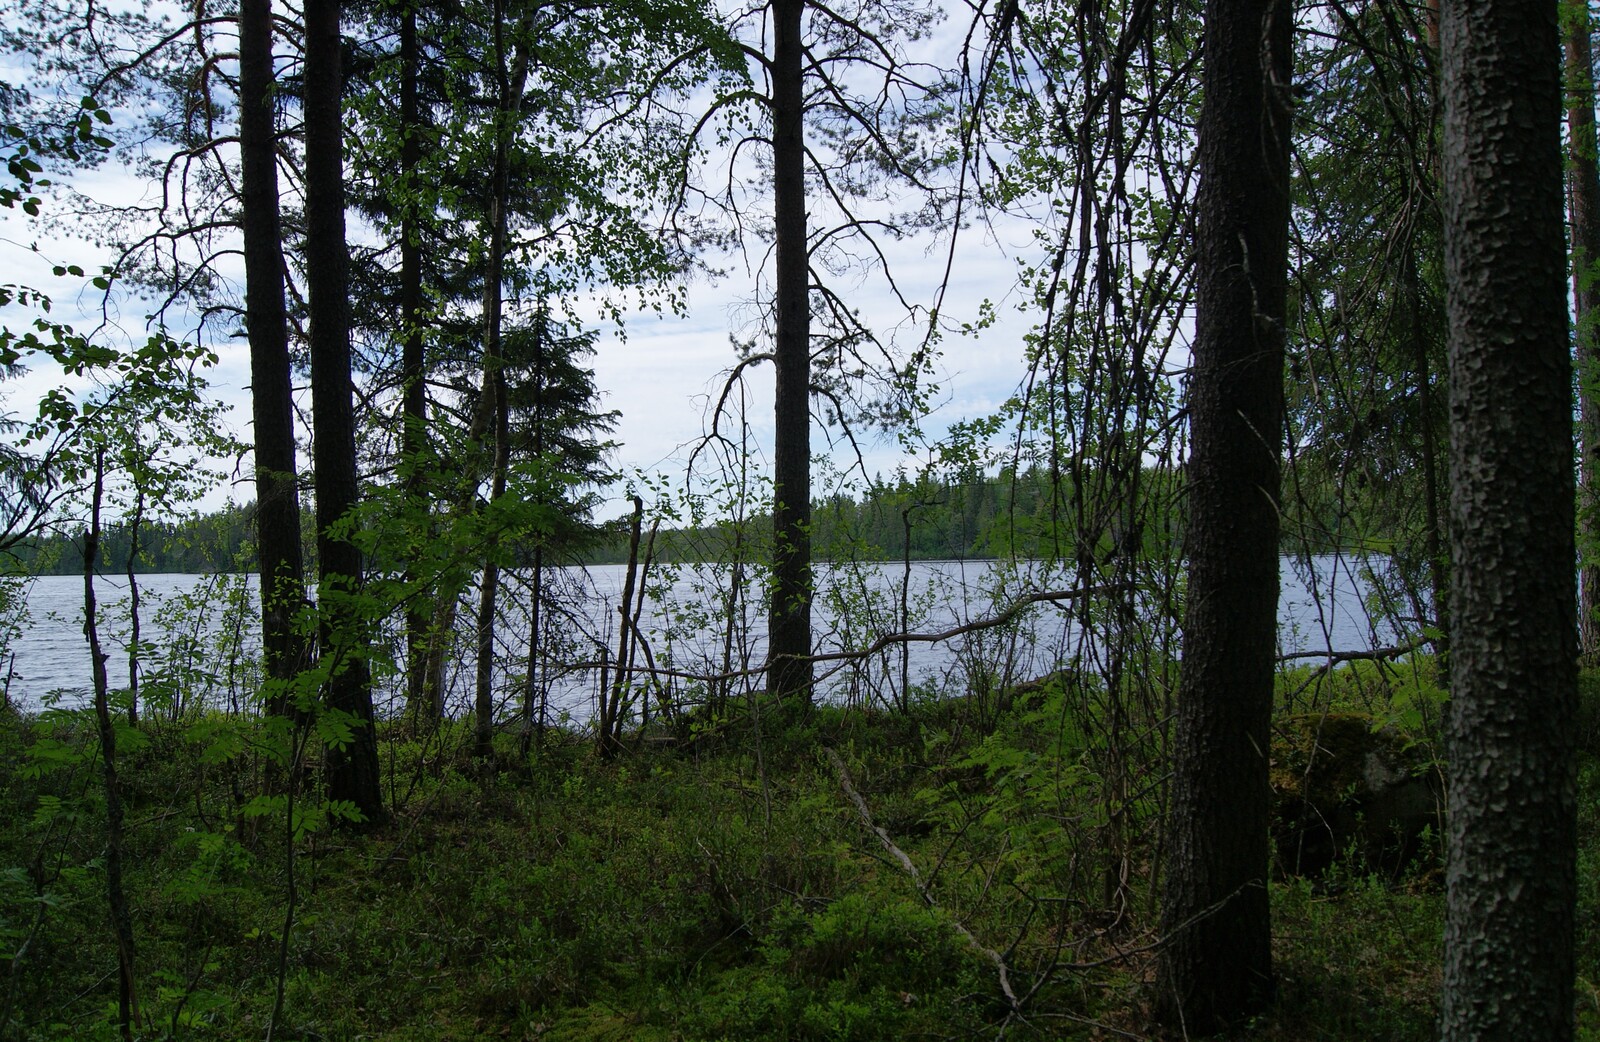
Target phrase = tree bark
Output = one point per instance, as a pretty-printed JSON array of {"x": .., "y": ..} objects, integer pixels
[
  {"x": 493, "y": 405},
  {"x": 488, "y": 594},
  {"x": 1511, "y": 870},
  {"x": 271, "y": 389},
  {"x": 1583, "y": 188},
  {"x": 116, "y": 895},
  {"x": 352, "y": 767},
  {"x": 532, "y": 704},
  {"x": 134, "y": 622},
  {"x": 789, "y": 618},
  {"x": 609, "y": 736},
  {"x": 413, "y": 362},
  {"x": 1216, "y": 967}
]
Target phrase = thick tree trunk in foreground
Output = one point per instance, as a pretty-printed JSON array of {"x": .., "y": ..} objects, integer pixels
[
  {"x": 1583, "y": 188},
  {"x": 271, "y": 390},
  {"x": 1508, "y": 969},
  {"x": 1216, "y": 967},
  {"x": 789, "y": 618},
  {"x": 352, "y": 767}
]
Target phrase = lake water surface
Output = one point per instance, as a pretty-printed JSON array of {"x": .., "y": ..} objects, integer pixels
[{"x": 206, "y": 627}]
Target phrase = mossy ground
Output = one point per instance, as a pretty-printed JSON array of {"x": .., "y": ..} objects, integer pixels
[{"x": 725, "y": 889}]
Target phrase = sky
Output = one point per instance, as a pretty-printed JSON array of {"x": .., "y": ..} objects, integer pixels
[
  {"x": 660, "y": 373},
  {"x": 665, "y": 373}
]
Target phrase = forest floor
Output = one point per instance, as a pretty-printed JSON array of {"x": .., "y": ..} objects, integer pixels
[{"x": 851, "y": 876}]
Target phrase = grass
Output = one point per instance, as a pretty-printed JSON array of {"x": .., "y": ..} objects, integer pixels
[{"x": 681, "y": 892}]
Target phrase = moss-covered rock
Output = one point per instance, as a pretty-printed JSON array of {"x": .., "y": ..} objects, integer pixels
[{"x": 1344, "y": 791}]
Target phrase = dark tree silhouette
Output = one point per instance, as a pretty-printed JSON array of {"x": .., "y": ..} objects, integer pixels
[
  {"x": 1217, "y": 964},
  {"x": 271, "y": 392},
  {"x": 827, "y": 150},
  {"x": 789, "y": 617},
  {"x": 353, "y": 762}
]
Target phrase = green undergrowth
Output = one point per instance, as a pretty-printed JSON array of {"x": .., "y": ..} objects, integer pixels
[{"x": 724, "y": 887}]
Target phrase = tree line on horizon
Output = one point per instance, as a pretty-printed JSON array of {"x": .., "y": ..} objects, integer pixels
[{"x": 1004, "y": 516}]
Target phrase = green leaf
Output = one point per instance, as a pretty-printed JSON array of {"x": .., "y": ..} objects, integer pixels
[{"x": 47, "y": 810}]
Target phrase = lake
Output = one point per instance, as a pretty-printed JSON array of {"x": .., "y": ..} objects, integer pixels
[{"x": 200, "y": 632}]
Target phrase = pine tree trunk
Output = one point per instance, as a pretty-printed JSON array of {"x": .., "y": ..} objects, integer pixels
[
  {"x": 353, "y": 767},
  {"x": 413, "y": 367},
  {"x": 488, "y": 594},
  {"x": 493, "y": 405},
  {"x": 116, "y": 894},
  {"x": 789, "y": 618},
  {"x": 1511, "y": 871},
  {"x": 532, "y": 704},
  {"x": 271, "y": 389},
  {"x": 1216, "y": 967}
]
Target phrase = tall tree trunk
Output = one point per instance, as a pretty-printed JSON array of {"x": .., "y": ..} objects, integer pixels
[
  {"x": 789, "y": 618},
  {"x": 493, "y": 404},
  {"x": 1583, "y": 188},
  {"x": 135, "y": 523},
  {"x": 1511, "y": 871},
  {"x": 352, "y": 767},
  {"x": 116, "y": 896},
  {"x": 271, "y": 391},
  {"x": 532, "y": 703},
  {"x": 413, "y": 363},
  {"x": 1216, "y": 967},
  {"x": 507, "y": 112},
  {"x": 488, "y": 594}
]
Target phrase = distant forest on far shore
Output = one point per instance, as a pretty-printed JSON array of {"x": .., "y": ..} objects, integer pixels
[
  {"x": 219, "y": 542},
  {"x": 1012, "y": 513},
  {"x": 978, "y": 518}
]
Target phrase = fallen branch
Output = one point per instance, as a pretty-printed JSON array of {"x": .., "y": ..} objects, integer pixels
[
  {"x": 1334, "y": 658},
  {"x": 889, "y": 640},
  {"x": 1014, "y": 609},
  {"x": 906, "y": 863}
]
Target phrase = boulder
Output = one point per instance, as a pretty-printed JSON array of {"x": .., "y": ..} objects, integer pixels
[{"x": 1343, "y": 791}]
